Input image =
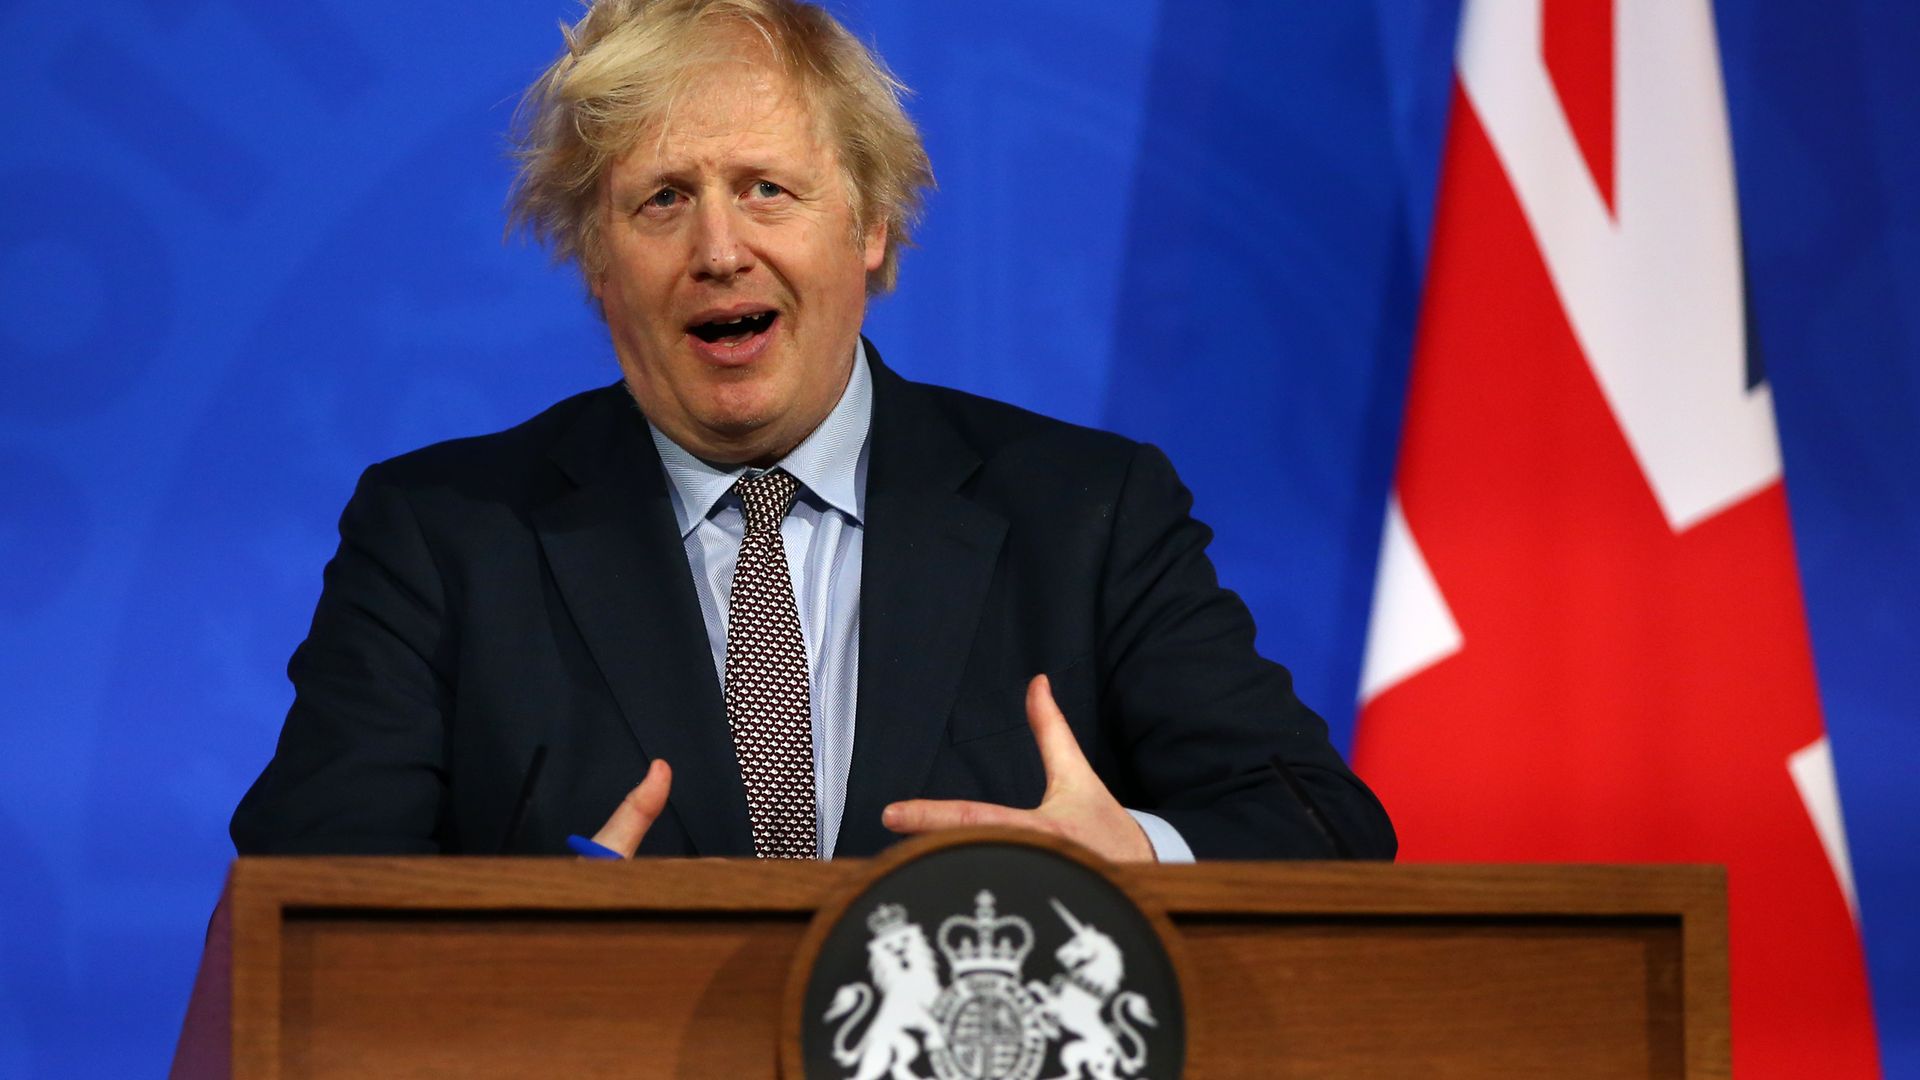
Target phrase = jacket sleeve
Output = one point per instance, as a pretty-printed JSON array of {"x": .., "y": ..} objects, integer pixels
[
  {"x": 1199, "y": 714},
  {"x": 361, "y": 763}
]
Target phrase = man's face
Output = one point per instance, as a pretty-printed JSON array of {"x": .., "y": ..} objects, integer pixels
[{"x": 734, "y": 285}]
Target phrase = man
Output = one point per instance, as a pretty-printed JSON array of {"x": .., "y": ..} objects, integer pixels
[{"x": 842, "y": 606}]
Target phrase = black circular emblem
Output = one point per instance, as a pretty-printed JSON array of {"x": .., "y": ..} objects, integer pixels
[{"x": 1000, "y": 959}]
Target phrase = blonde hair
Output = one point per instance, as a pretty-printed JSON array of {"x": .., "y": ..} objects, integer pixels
[{"x": 628, "y": 61}]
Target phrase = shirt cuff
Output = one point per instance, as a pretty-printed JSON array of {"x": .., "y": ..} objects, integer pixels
[{"x": 1168, "y": 846}]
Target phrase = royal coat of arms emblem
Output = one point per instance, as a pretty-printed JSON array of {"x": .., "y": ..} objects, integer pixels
[{"x": 983, "y": 1022}]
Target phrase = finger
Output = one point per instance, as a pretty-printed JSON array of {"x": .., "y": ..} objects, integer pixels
[
  {"x": 916, "y": 816},
  {"x": 636, "y": 813},
  {"x": 1059, "y": 751}
]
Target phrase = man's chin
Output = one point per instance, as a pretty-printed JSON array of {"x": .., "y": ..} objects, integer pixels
[
  {"x": 737, "y": 438},
  {"x": 736, "y": 415}
]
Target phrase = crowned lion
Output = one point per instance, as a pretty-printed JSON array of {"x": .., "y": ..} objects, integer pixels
[{"x": 902, "y": 967}]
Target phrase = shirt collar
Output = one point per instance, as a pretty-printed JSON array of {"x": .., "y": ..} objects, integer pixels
[{"x": 827, "y": 462}]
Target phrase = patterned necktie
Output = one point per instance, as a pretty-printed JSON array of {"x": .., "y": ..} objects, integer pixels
[{"x": 767, "y": 699}]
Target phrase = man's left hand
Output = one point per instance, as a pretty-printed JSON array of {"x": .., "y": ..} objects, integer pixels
[{"x": 1077, "y": 805}]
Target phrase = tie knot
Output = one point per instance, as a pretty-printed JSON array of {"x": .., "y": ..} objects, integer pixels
[{"x": 766, "y": 498}]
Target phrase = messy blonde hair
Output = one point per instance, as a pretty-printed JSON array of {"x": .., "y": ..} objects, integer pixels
[{"x": 628, "y": 61}]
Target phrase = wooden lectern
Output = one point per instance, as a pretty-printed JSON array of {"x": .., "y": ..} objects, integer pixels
[{"x": 540, "y": 967}]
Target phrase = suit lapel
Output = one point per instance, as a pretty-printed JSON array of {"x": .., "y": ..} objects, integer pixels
[
  {"x": 928, "y": 558},
  {"x": 616, "y": 555}
]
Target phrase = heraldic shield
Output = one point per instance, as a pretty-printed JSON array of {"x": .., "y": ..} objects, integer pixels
[{"x": 986, "y": 956}]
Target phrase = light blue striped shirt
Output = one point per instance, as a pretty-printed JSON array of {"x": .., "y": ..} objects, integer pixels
[{"x": 824, "y": 536}]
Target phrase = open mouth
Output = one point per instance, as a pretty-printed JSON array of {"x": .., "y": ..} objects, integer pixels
[{"x": 734, "y": 331}]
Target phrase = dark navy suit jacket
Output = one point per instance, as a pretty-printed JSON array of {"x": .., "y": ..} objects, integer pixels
[{"x": 529, "y": 588}]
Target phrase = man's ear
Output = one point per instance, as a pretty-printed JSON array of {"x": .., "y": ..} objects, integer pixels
[
  {"x": 874, "y": 248},
  {"x": 597, "y": 291}
]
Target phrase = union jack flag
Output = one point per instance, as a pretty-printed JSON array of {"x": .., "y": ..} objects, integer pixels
[{"x": 1587, "y": 640}]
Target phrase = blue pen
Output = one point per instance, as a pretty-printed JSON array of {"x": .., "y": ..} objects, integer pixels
[{"x": 587, "y": 849}]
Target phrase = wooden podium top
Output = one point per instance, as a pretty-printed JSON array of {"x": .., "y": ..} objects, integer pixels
[
  {"x": 554, "y": 884},
  {"x": 450, "y": 966}
]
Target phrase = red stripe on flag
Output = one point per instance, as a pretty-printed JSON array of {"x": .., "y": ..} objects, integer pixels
[
  {"x": 1622, "y": 693},
  {"x": 1577, "y": 42}
]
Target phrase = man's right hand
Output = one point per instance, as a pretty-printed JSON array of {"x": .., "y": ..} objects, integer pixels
[{"x": 634, "y": 816}]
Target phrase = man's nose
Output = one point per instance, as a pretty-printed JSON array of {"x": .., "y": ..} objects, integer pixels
[{"x": 719, "y": 252}]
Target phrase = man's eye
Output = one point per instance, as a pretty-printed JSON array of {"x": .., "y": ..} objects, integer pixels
[
  {"x": 662, "y": 199},
  {"x": 767, "y": 189}
]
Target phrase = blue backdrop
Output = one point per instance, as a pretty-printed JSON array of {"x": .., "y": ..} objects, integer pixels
[{"x": 246, "y": 249}]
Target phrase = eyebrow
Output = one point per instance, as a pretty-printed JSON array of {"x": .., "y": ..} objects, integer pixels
[{"x": 648, "y": 183}]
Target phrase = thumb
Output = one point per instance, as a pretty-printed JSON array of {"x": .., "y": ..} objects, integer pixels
[
  {"x": 1059, "y": 751},
  {"x": 635, "y": 814}
]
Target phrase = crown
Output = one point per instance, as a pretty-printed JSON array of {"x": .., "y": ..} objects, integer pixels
[
  {"x": 886, "y": 917},
  {"x": 985, "y": 942}
]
